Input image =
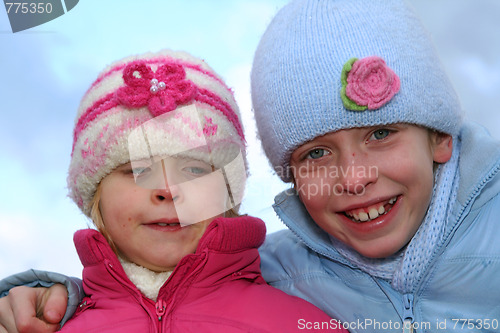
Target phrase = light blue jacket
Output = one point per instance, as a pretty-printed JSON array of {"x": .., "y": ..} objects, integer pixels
[{"x": 460, "y": 291}]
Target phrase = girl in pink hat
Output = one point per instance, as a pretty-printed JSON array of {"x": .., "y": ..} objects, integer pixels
[{"x": 159, "y": 165}]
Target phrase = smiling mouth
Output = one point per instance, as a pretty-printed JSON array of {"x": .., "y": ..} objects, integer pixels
[
  {"x": 372, "y": 212},
  {"x": 167, "y": 224}
]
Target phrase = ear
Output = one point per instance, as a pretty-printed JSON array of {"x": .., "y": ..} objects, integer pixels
[{"x": 443, "y": 147}]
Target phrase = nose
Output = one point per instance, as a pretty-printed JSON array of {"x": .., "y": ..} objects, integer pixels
[
  {"x": 356, "y": 172},
  {"x": 164, "y": 192},
  {"x": 162, "y": 195}
]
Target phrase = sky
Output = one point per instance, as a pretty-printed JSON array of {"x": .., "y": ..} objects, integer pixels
[{"x": 47, "y": 69}]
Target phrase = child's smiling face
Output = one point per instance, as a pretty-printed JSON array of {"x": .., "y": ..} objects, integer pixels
[
  {"x": 370, "y": 187},
  {"x": 155, "y": 214}
]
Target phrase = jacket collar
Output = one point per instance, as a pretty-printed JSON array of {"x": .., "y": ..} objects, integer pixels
[
  {"x": 227, "y": 250},
  {"x": 294, "y": 215},
  {"x": 479, "y": 163}
]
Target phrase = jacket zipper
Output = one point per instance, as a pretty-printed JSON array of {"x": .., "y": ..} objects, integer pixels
[
  {"x": 408, "y": 316},
  {"x": 160, "y": 309},
  {"x": 160, "y": 306}
]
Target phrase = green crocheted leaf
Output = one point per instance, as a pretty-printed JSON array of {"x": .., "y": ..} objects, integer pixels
[
  {"x": 346, "y": 69},
  {"x": 348, "y": 103}
]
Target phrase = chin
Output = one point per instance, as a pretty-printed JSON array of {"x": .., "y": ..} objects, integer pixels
[{"x": 377, "y": 252}]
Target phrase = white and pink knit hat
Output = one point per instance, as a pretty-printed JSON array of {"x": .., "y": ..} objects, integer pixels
[{"x": 203, "y": 120}]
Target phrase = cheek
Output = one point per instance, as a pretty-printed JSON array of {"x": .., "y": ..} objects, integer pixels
[
  {"x": 409, "y": 166},
  {"x": 217, "y": 195},
  {"x": 423, "y": 189},
  {"x": 314, "y": 192},
  {"x": 417, "y": 178},
  {"x": 418, "y": 175},
  {"x": 115, "y": 213},
  {"x": 201, "y": 199}
]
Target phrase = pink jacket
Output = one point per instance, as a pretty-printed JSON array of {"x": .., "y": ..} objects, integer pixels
[{"x": 217, "y": 289}]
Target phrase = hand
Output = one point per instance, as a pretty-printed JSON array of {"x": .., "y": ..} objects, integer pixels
[{"x": 33, "y": 310}]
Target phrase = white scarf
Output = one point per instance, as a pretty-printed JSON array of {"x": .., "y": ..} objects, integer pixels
[{"x": 147, "y": 281}]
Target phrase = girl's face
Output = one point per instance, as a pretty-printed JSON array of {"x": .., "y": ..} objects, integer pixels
[
  {"x": 370, "y": 187},
  {"x": 156, "y": 213}
]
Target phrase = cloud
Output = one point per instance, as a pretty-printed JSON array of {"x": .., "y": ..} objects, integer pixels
[
  {"x": 262, "y": 184},
  {"x": 47, "y": 70},
  {"x": 470, "y": 52},
  {"x": 30, "y": 242},
  {"x": 484, "y": 77},
  {"x": 37, "y": 220}
]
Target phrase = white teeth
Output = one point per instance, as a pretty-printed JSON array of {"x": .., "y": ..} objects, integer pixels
[
  {"x": 373, "y": 213},
  {"x": 162, "y": 224},
  {"x": 363, "y": 217}
]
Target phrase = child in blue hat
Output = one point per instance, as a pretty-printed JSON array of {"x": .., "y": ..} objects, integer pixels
[{"x": 395, "y": 197}]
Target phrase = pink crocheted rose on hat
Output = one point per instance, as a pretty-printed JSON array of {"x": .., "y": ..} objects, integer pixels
[
  {"x": 161, "y": 91},
  {"x": 367, "y": 83}
]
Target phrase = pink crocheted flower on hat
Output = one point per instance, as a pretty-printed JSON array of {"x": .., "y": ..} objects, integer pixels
[
  {"x": 367, "y": 83},
  {"x": 161, "y": 92}
]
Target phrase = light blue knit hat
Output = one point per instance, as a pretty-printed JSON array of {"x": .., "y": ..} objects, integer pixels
[{"x": 296, "y": 75}]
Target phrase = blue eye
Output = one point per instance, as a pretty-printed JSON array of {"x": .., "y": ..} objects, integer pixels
[
  {"x": 197, "y": 170},
  {"x": 140, "y": 171},
  {"x": 316, "y": 153},
  {"x": 381, "y": 134}
]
